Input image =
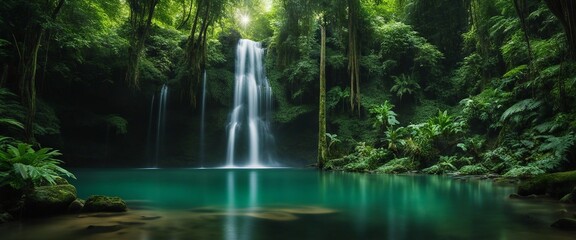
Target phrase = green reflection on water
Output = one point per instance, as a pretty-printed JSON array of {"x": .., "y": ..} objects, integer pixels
[{"x": 303, "y": 204}]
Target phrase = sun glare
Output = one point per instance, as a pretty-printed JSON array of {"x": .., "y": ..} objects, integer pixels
[{"x": 244, "y": 20}]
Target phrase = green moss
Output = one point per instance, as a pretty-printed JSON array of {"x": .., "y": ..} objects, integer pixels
[
  {"x": 99, "y": 203},
  {"x": 556, "y": 185},
  {"x": 46, "y": 200},
  {"x": 476, "y": 169},
  {"x": 398, "y": 165}
]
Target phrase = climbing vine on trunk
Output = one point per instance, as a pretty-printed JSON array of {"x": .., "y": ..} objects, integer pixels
[
  {"x": 141, "y": 14},
  {"x": 322, "y": 144},
  {"x": 206, "y": 13},
  {"x": 353, "y": 53},
  {"x": 565, "y": 11},
  {"x": 28, "y": 49}
]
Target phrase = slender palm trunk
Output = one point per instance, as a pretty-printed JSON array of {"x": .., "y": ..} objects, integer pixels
[{"x": 322, "y": 146}]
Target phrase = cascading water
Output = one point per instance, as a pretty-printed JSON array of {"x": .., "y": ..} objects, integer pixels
[
  {"x": 158, "y": 121},
  {"x": 202, "y": 121},
  {"x": 249, "y": 136},
  {"x": 161, "y": 120}
]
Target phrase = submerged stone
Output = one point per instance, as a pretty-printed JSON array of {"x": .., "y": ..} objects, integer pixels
[
  {"x": 518, "y": 196},
  {"x": 48, "y": 200},
  {"x": 131, "y": 223},
  {"x": 103, "y": 228},
  {"x": 149, "y": 217},
  {"x": 99, "y": 203},
  {"x": 568, "y": 224}
]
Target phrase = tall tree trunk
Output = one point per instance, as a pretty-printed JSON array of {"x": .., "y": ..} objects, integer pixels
[
  {"x": 141, "y": 15},
  {"x": 322, "y": 143},
  {"x": 565, "y": 11},
  {"x": 207, "y": 12},
  {"x": 28, "y": 64},
  {"x": 353, "y": 53}
]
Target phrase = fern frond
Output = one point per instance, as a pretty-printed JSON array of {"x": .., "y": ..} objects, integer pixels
[
  {"x": 11, "y": 122},
  {"x": 559, "y": 145},
  {"x": 548, "y": 127},
  {"x": 519, "y": 107},
  {"x": 119, "y": 123}
]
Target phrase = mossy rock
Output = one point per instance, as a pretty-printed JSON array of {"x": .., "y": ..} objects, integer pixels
[
  {"x": 49, "y": 200},
  {"x": 99, "y": 203},
  {"x": 556, "y": 185}
]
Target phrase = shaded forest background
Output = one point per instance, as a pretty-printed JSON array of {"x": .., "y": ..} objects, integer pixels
[{"x": 469, "y": 86}]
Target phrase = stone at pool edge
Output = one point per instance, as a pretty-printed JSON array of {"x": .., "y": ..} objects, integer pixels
[
  {"x": 76, "y": 206},
  {"x": 556, "y": 185},
  {"x": 98, "y": 203},
  {"x": 50, "y": 200}
]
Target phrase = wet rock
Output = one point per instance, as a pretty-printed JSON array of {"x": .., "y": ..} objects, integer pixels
[
  {"x": 149, "y": 217},
  {"x": 103, "y": 228},
  {"x": 556, "y": 185},
  {"x": 517, "y": 196},
  {"x": 567, "y": 224},
  {"x": 76, "y": 206},
  {"x": 131, "y": 223},
  {"x": 99, "y": 203},
  {"x": 49, "y": 200},
  {"x": 102, "y": 215}
]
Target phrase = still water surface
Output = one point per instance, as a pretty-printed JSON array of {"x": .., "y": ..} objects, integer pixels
[{"x": 295, "y": 204}]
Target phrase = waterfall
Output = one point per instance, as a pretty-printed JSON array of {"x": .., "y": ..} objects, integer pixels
[
  {"x": 249, "y": 136},
  {"x": 156, "y": 126},
  {"x": 202, "y": 121},
  {"x": 161, "y": 124}
]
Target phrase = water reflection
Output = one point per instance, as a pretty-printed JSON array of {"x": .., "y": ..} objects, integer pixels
[
  {"x": 296, "y": 204},
  {"x": 235, "y": 228}
]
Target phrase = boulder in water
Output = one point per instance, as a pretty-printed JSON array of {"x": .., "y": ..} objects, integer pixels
[
  {"x": 103, "y": 228},
  {"x": 49, "y": 200},
  {"x": 99, "y": 203},
  {"x": 555, "y": 185}
]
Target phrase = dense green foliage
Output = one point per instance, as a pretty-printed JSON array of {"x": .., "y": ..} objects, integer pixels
[
  {"x": 468, "y": 86},
  {"x": 23, "y": 167}
]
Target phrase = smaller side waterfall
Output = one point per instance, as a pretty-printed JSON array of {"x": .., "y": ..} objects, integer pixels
[
  {"x": 202, "y": 144},
  {"x": 157, "y": 125}
]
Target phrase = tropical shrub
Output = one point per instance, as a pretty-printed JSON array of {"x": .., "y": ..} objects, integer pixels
[
  {"x": 23, "y": 167},
  {"x": 476, "y": 169},
  {"x": 383, "y": 115},
  {"x": 365, "y": 158},
  {"x": 398, "y": 165},
  {"x": 405, "y": 85}
]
